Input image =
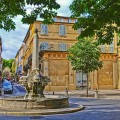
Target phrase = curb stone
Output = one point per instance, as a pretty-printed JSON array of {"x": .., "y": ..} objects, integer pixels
[{"x": 43, "y": 112}]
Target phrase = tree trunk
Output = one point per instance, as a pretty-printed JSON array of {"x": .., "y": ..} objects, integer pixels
[{"x": 87, "y": 87}]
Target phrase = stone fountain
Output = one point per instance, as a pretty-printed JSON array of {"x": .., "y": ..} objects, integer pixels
[
  {"x": 35, "y": 84},
  {"x": 34, "y": 98}
]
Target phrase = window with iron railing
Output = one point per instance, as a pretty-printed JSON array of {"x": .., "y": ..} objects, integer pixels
[
  {"x": 62, "y": 47},
  {"x": 44, "y": 46},
  {"x": 107, "y": 48}
]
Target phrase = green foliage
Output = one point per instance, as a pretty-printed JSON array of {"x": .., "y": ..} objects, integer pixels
[
  {"x": 97, "y": 17},
  {"x": 7, "y": 63},
  {"x": 9, "y": 9},
  {"x": 84, "y": 55}
]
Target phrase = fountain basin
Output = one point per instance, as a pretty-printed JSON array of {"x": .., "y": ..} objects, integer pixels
[{"x": 41, "y": 103}]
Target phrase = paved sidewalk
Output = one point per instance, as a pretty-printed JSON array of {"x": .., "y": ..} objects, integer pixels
[{"x": 107, "y": 94}]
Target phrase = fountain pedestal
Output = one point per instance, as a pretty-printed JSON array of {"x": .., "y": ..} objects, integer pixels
[{"x": 45, "y": 103}]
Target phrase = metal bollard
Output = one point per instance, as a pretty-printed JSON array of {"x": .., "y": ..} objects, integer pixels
[
  {"x": 66, "y": 92},
  {"x": 2, "y": 92},
  {"x": 96, "y": 93}
]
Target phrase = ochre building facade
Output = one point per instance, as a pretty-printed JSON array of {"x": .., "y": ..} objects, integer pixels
[{"x": 50, "y": 43}]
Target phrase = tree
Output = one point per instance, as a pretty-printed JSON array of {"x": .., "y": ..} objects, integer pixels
[
  {"x": 9, "y": 9},
  {"x": 7, "y": 63},
  {"x": 13, "y": 67},
  {"x": 84, "y": 56},
  {"x": 97, "y": 17}
]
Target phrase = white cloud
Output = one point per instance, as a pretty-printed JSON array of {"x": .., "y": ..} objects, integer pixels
[
  {"x": 64, "y": 2},
  {"x": 11, "y": 41},
  {"x": 64, "y": 9}
]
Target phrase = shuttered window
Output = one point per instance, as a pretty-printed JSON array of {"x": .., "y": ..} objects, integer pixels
[
  {"x": 62, "y": 30},
  {"x": 44, "y": 29}
]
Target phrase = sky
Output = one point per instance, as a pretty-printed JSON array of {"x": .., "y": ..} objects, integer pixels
[{"x": 12, "y": 41}]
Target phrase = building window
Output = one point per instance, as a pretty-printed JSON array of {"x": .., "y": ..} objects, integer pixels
[
  {"x": 102, "y": 48},
  {"x": 80, "y": 30},
  {"x": 61, "y": 20},
  {"x": 69, "y": 20},
  {"x": 76, "y": 20},
  {"x": 44, "y": 46},
  {"x": 62, "y": 47},
  {"x": 62, "y": 30},
  {"x": 54, "y": 19},
  {"x": 44, "y": 29},
  {"x": 81, "y": 79},
  {"x": 111, "y": 48}
]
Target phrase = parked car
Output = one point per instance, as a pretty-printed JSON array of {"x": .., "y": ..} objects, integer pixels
[{"x": 7, "y": 86}]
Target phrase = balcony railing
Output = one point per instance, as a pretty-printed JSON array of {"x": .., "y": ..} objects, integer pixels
[
  {"x": 108, "y": 50},
  {"x": 54, "y": 47}
]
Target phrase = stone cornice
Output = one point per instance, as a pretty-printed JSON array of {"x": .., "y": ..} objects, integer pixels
[{"x": 108, "y": 56}]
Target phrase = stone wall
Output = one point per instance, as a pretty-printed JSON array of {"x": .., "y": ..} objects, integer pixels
[
  {"x": 57, "y": 67},
  {"x": 49, "y": 103},
  {"x": 106, "y": 77}
]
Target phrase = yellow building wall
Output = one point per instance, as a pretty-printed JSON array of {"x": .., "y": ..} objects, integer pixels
[
  {"x": 57, "y": 67},
  {"x": 106, "y": 77}
]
